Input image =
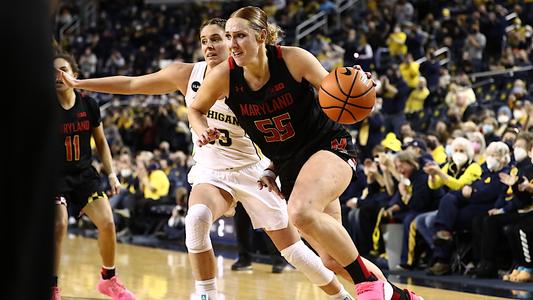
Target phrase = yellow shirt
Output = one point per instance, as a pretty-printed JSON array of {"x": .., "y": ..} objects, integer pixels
[
  {"x": 439, "y": 155},
  {"x": 159, "y": 183},
  {"x": 471, "y": 174},
  {"x": 416, "y": 99},
  {"x": 396, "y": 43},
  {"x": 410, "y": 73}
]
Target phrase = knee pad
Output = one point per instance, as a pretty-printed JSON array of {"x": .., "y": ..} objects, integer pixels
[
  {"x": 307, "y": 262},
  {"x": 197, "y": 225}
]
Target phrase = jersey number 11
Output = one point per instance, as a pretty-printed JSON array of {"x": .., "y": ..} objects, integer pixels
[{"x": 69, "y": 143}]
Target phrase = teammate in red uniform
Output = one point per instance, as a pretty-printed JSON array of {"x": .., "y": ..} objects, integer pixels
[{"x": 79, "y": 185}]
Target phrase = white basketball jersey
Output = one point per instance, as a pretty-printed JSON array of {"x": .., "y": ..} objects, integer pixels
[{"x": 233, "y": 149}]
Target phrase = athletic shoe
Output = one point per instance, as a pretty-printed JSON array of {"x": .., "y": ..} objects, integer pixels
[
  {"x": 242, "y": 264},
  {"x": 373, "y": 290},
  {"x": 413, "y": 296},
  {"x": 114, "y": 289}
]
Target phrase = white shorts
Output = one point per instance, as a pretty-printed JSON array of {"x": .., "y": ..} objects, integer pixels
[{"x": 266, "y": 210}]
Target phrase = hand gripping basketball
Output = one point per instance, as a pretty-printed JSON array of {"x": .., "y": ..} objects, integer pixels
[{"x": 347, "y": 95}]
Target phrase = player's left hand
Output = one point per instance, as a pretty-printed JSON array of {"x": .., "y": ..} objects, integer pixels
[
  {"x": 114, "y": 183},
  {"x": 268, "y": 180}
]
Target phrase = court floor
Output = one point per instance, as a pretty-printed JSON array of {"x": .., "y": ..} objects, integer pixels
[{"x": 162, "y": 274}]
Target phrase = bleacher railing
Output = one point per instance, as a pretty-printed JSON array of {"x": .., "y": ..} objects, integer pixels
[
  {"x": 320, "y": 20},
  {"x": 510, "y": 71}
]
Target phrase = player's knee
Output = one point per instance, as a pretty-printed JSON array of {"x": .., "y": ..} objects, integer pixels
[
  {"x": 197, "y": 225},
  {"x": 106, "y": 225},
  {"x": 300, "y": 216},
  {"x": 60, "y": 226}
]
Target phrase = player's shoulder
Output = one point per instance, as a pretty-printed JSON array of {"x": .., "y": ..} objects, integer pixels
[
  {"x": 87, "y": 99},
  {"x": 292, "y": 52}
]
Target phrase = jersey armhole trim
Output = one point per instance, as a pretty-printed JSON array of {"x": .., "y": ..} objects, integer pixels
[{"x": 278, "y": 52}]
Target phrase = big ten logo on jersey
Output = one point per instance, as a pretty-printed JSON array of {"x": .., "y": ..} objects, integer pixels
[
  {"x": 276, "y": 88},
  {"x": 239, "y": 89},
  {"x": 195, "y": 86}
]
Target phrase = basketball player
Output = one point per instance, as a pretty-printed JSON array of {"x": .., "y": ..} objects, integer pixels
[
  {"x": 226, "y": 170},
  {"x": 269, "y": 88},
  {"x": 79, "y": 185}
]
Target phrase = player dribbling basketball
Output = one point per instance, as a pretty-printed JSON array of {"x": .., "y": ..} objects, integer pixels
[{"x": 270, "y": 92}]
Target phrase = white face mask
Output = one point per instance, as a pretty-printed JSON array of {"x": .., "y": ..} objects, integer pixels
[
  {"x": 492, "y": 163},
  {"x": 519, "y": 153},
  {"x": 125, "y": 172},
  {"x": 459, "y": 158},
  {"x": 503, "y": 119},
  {"x": 518, "y": 114}
]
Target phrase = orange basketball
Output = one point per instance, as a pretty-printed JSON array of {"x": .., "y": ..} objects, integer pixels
[{"x": 346, "y": 95}]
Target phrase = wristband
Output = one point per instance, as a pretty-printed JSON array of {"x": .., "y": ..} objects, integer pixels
[{"x": 268, "y": 173}]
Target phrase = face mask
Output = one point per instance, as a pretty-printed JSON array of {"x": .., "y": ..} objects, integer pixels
[
  {"x": 503, "y": 119},
  {"x": 492, "y": 163},
  {"x": 519, "y": 154},
  {"x": 487, "y": 128},
  {"x": 459, "y": 158},
  {"x": 448, "y": 150},
  {"x": 518, "y": 114},
  {"x": 125, "y": 172}
]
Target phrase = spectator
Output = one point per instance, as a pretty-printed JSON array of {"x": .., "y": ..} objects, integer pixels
[
  {"x": 458, "y": 208},
  {"x": 413, "y": 197},
  {"x": 396, "y": 42},
  {"x": 509, "y": 210},
  {"x": 410, "y": 71}
]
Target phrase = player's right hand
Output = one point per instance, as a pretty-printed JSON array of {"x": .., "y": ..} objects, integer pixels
[
  {"x": 209, "y": 135},
  {"x": 268, "y": 180}
]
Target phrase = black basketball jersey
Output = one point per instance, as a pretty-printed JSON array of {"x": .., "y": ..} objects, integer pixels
[
  {"x": 76, "y": 129},
  {"x": 283, "y": 117}
]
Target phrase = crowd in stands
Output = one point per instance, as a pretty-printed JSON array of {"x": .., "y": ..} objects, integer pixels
[{"x": 446, "y": 151}]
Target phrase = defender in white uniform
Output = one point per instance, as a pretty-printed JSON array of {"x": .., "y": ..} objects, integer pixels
[
  {"x": 233, "y": 163},
  {"x": 225, "y": 171}
]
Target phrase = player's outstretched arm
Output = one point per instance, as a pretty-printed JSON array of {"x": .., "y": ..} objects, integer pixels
[
  {"x": 215, "y": 86},
  {"x": 169, "y": 79}
]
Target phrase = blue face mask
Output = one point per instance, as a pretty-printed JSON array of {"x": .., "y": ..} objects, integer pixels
[{"x": 487, "y": 128}]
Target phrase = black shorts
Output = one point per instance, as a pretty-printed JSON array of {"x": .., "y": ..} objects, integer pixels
[
  {"x": 339, "y": 144},
  {"x": 79, "y": 189}
]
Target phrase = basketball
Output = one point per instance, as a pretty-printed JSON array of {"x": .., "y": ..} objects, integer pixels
[{"x": 346, "y": 95}]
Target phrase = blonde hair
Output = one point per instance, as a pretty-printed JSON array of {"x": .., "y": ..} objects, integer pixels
[
  {"x": 501, "y": 149},
  {"x": 258, "y": 20},
  {"x": 409, "y": 157}
]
